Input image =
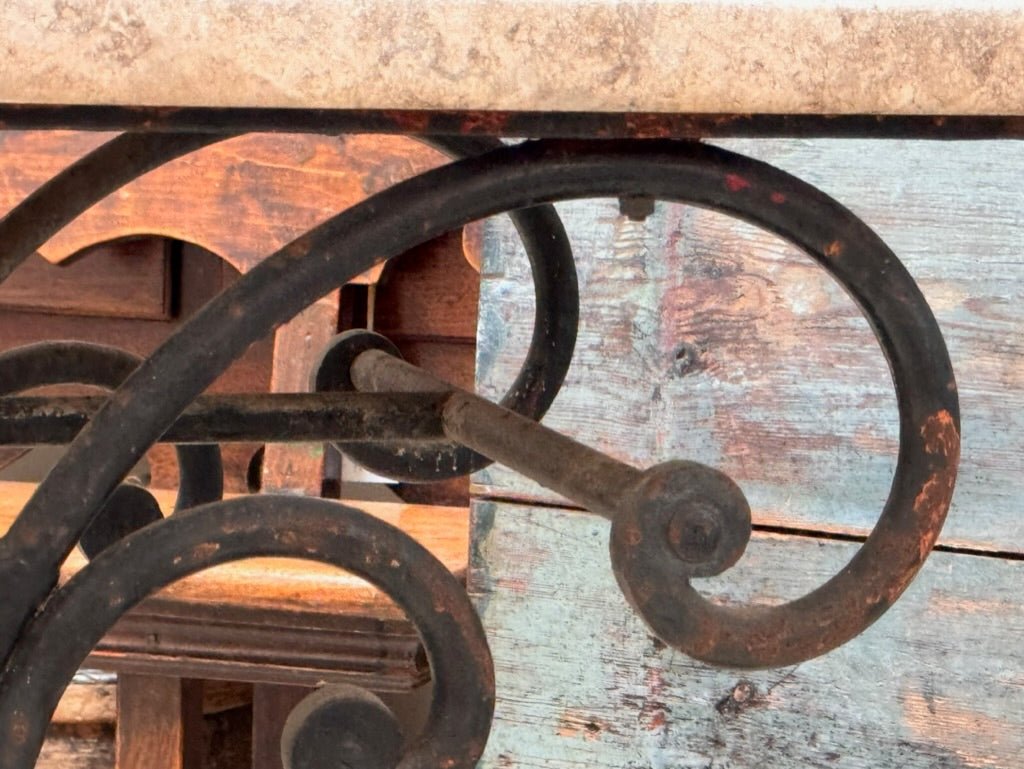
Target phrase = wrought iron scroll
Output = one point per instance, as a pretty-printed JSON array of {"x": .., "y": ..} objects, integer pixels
[{"x": 671, "y": 523}]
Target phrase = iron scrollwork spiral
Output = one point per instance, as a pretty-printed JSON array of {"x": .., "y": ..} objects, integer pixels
[
  {"x": 670, "y": 523},
  {"x": 129, "y": 507},
  {"x": 60, "y": 636}
]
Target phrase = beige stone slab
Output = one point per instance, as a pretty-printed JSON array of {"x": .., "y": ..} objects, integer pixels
[{"x": 782, "y": 56}]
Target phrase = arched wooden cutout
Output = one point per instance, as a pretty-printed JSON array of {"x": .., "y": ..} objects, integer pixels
[{"x": 242, "y": 198}]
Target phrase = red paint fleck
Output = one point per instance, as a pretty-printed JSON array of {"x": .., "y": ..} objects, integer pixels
[
  {"x": 413, "y": 121},
  {"x": 514, "y": 584},
  {"x": 486, "y": 122},
  {"x": 834, "y": 249},
  {"x": 778, "y": 198},
  {"x": 658, "y": 721},
  {"x": 735, "y": 182},
  {"x": 647, "y": 126}
]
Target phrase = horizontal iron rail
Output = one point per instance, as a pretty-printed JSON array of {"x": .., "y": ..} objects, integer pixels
[
  {"x": 273, "y": 417},
  {"x": 612, "y": 125}
]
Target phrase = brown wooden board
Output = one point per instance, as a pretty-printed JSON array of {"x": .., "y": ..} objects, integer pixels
[
  {"x": 127, "y": 279},
  {"x": 275, "y": 620},
  {"x": 78, "y": 746},
  {"x": 159, "y": 723},
  {"x": 430, "y": 292},
  {"x": 271, "y": 706},
  {"x": 241, "y": 198},
  {"x": 936, "y": 683},
  {"x": 706, "y": 339}
]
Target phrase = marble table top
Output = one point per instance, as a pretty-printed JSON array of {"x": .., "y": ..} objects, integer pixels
[{"x": 935, "y": 57}]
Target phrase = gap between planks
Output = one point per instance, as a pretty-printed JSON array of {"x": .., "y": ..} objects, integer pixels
[{"x": 482, "y": 495}]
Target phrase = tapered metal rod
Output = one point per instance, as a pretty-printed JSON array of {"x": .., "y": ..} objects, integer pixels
[
  {"x": 281, "y": 418},
  {"x": 588, "y": 477}
]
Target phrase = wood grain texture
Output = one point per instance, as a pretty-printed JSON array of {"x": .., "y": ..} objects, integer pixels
[
  {"x": 704, "y": 338},
  {"x": 935, "y": 683},
  {"x": 87, "y": 703},
  {"x": 159, "y": 723},
  {"x": 275, "y": 620},
  {"x": 431, "y": 292},
  {"x": 202, "y": 275},
  {"x": 271, "y": 706},
  {"x": 289, "y": 584},
  {"x": 126, "y": 279},
  {"x": 246, "y": 197},
  {"x": 298, "y": 468},
  {"x": 78, "y": 746}
]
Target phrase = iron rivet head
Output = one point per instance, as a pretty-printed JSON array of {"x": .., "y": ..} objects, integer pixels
[
  {"x": 695, "y": 532},
  {"x": 692, "y": 515}
]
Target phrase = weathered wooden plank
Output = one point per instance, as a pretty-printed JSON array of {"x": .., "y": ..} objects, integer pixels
[
  {"x": 703, "y": 338},
  {"x": 270, "y": 708},
  {"x": 581, "y": 682},
  {"x": 429, "y": 292},
  {"x": 298, "y": 468},
  {"x": 247, "y": 196},
  {"x": 78, "y": 746},
  {"x": 87, "y": 702},
  {"x": 126, "y": 279},
  {"x": 159, "y": 722}
]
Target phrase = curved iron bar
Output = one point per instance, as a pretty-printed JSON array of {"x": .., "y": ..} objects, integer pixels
[
  {"x": 60, "y": 637},
  {"x": 341, "y": 726},
  {"x": 539, "y": 172},
  {"x": 112, "y": 165},
  {"x": 556, "y": 318},
  {"x": 70, "y": 362},
  {"x": 85, "y": 182}
]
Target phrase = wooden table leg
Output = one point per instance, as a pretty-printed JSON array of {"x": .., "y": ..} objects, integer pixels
[
  {"x": 159, "y": 723},
  {"x": 271, "y": 704}
]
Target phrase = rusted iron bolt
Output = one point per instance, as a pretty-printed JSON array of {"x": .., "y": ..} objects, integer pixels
[
  {"x": 695, "y": 532},
  {"x": 343, "y": 726},
  {"x": 688, "y": 513},
  {"x": 636, "y": 208}
]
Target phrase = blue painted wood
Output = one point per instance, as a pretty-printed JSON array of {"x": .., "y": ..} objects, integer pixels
[
  {"x": 937, "y": 682},
  {"x": 704, "y": 338}
]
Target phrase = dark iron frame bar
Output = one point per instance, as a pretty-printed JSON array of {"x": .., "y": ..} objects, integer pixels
[
  {"x": 608, "y": 125},
  {"x": 259, "y": 417}
]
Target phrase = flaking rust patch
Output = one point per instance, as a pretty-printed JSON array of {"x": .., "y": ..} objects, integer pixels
[
  {"x": 205, "y": 550},
  {"x": 941, "y": 436},
  {"x": 941, "y": 439}
]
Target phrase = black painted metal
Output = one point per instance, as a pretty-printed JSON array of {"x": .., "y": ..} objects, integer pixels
[
  {"x": 556, "y": 316},
  {"x": 70, "y": 362},
  {"x": 261, "y": 417},
  {"x": 60, "y": 636},
  {"x": 548, "y": 124},
  {"x": 87, "y": 181},
  {"x": 670, "y": 523},
  {"x": 341, "y": 726}
]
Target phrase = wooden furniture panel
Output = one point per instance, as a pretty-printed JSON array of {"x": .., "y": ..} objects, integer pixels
[
  {"x": 271, "y": 706},
  {"x": 85, "y": 746},
  {"x": 429, "y": 293},
  {"x": 275, "y": 620},
  {"x": 127, "y": 279},
  {"x": 158, "y": 723},
  {"x": 706, "y": 339},
  {"x": 246, "y": 196},
  {"x": 935, "y": 683},
  {"x": 197, "y": 277}
]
